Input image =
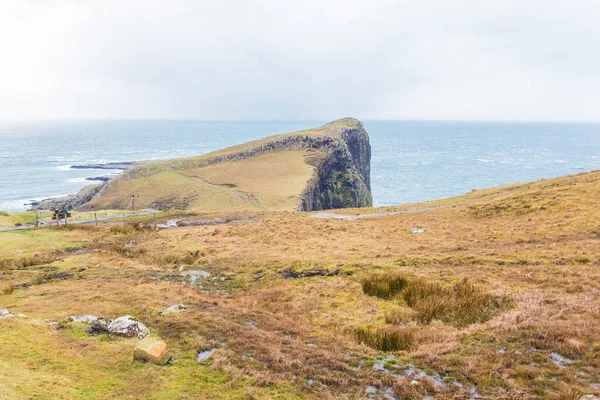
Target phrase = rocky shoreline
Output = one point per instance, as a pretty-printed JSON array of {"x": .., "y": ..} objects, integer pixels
[
  {"x": 124, "y": 166},
  {"x": 87, "y": 192}
]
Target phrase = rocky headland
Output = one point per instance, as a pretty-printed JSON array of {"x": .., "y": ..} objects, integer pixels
[{"x": 322, "y": 168}]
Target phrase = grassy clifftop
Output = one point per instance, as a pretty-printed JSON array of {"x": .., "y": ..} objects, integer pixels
[
  {"x": 497, "y": 298},
  {"x": 324, "y": 167}
]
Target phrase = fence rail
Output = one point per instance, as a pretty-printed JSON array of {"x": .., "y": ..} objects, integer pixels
[{"x": 44, "y": 224}]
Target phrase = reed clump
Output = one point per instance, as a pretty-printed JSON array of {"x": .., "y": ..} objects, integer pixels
[
  {"x": 385, "y": 338},
  {"x": 461, "y": 304},
  {"x": 384, "y": 286}
]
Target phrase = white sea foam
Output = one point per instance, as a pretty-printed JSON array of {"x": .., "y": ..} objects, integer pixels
[
  {"x": 77, "y": 180},
  {"x": 14, "y": 205},
  {"x": 20, "y": 204},
  {"x": 64, "y": 168}
]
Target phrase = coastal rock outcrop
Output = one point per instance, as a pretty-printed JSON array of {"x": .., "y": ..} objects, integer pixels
[{"x": 343, "y": 176}]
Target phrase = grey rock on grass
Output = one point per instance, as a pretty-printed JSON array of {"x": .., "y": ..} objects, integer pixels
[
  {"x": 127, "y": 326},
  {"x": 174, "y": 309}
]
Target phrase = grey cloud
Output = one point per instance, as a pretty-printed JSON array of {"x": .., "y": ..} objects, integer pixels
[{"x": 233, "y": 59}]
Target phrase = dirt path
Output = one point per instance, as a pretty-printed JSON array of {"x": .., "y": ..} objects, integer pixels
[
  {"x": 325, "y": 215},
  {"x": 250, "y": 197}
]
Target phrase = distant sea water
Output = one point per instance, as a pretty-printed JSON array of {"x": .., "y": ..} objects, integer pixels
[{"x": 412, "y": 161}]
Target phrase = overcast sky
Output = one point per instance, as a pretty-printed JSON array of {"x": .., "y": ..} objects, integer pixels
[{"x": 253, "y": 59}]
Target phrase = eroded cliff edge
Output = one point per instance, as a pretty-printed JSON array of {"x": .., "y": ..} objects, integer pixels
[
  {"x": 315, "y": 169},
  {"x": 343, "y": 176}
]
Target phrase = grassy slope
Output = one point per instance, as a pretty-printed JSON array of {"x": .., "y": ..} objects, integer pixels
[
  {"x": 275, "y": 180},
  {"x": 536, "y": 243},
  {"x": 172, "y": 188}
]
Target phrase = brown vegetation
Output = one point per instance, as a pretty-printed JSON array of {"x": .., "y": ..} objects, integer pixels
[{"x": 501, "y": 301}]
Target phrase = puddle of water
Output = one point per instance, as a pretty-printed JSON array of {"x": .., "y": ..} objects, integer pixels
[
  {"x": 171, "y": 223},
  {"x": 359, "y": 366},
  {"x": 194, "y": 275},
  {"x": 560, "y": 360},
  {"x": 409, "y": 372},
  {"x": 204, "y": 355}
]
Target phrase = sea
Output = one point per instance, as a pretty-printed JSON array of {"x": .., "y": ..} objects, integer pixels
[{"x": 412, "y": 161}]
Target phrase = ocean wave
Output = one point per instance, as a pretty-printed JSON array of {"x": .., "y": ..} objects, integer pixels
[
  {"x": 77, "y": 180},
  {"x": 64, "y": 167}
]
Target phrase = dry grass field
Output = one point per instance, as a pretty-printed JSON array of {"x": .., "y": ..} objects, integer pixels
[{"x": 497, "y": 298}]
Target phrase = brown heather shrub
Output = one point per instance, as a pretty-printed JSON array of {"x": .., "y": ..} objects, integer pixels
[
  {"x": 28, "y": 261},
  {"x": 399, "y": 315},
  {"x": 7, "y": 288},
  {"x": 460, "y": 305},
  {"x": 121, "y": 230},
  {"x": 385, "y": 339},
  {"x": 78, "y": 227},
  {"x": 384, "y": 286}
]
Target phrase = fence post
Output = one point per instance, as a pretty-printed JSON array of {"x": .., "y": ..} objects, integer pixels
[
  {"x": 96, "y": 218},
  {"x": 123, "y": 219},
  {"x": 37, "y": 218},
  {"x": 155, "y": 225}
]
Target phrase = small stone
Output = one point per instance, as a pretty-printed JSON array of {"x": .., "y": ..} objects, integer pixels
[
  {"x": 99, "y": 326},
  {"x": 152, "y": 349},
  {"x": 54, "y": 325},
  {"x": 83, "y": 318},
  {"x": 4, "y": 313},
  {"x": 127, "y": 326},
  {"x": 174, "y": 309},
  {"x": 417, "y": 229}
]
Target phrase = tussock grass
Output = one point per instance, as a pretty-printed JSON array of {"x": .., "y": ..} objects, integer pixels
[
  {"x": 385, "y": 339},
  {"x": 399, "y": 315},
  {"x": 384, "y": 286},
  {"x": 130, "y": 229},
  {"x": 460, "y": 305}
]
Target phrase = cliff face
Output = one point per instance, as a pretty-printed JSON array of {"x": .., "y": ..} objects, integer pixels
[
  {"x": 343, "y": 177},
  {"x": 321, "y": 168}
]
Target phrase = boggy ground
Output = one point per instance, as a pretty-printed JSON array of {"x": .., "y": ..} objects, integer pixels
[{"x": 498, "y": 298}]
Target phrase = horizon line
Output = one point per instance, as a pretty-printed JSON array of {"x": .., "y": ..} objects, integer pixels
[{"x": 318, "y": 120}]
